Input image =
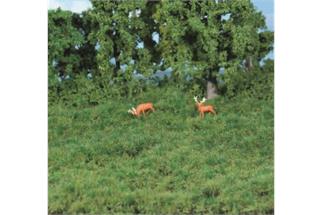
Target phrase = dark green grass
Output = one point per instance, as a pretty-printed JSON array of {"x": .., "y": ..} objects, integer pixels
[{"x": 103, "y": 161}]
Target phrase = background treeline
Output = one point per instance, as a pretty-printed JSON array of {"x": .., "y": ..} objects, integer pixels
[{"x": 122, "y": 48}]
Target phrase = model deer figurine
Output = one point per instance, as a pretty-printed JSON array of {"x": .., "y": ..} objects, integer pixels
[
  {"x": 141, "y": 108},
  {"x": 203, "y": 108}
]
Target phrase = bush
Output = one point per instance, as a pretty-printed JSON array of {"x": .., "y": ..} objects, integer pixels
[{"x": 257, "y": 83}]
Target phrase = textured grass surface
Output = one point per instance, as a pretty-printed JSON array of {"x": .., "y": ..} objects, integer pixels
[{"x": 102, "y": 160}]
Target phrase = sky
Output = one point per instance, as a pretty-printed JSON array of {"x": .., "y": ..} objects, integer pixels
[{"x": 74, "y": 5}]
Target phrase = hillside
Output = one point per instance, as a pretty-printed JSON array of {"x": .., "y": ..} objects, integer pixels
[{"x": 103, "y": 160}]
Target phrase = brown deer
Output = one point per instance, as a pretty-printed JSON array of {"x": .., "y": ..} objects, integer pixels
[
  {"x": 203, "y": 108},
  {"x": 141, "y": 108}
]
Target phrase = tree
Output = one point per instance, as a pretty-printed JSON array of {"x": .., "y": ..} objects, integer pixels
[
  {"x": 120, "y": 28},
  {"x": 87, "y": 50},
  {"x": 211, "y": 35},
  {"x": 198, "y": 39},
  {"x": 64, "y": 40}
]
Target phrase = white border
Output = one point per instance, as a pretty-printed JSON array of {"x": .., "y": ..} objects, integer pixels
[
  {"x": 298, "y": 107},
  {"x": 23, "y": 115}
]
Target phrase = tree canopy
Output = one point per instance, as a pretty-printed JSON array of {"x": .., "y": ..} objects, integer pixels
[{"x": 198, "y": 39}]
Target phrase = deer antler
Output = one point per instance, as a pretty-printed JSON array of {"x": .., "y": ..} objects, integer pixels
[
  {"x": 196, "y": 99},
  {"x": 203, "y": 100},
  {"x": 134, "y": 110}
]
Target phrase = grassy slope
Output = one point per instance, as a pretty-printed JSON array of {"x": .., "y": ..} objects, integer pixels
[{"x": 102, "y": 160}]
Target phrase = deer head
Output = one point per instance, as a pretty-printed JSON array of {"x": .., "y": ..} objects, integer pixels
[
  {"x": 132, "y": 111},
  {"x": 199, "y": 102}
]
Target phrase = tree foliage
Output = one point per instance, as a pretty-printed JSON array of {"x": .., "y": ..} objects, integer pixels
[
  {"x": 64, "y": 39},
  {"x": 198, "y": 39}
]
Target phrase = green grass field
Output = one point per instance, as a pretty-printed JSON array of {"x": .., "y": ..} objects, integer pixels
[{"x": 102, "y": 160}]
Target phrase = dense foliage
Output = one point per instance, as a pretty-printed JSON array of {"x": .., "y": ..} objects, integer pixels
[
  {"x": 112, "y": 45},
  {"x": 104, "y": 161}
]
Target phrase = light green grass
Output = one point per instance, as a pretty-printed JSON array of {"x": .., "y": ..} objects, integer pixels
[{"x": 103, "y": 161}]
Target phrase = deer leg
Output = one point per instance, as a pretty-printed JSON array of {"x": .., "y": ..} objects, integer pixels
[
  {"x": 152, "y": 109},
  {"x": 202, "y": 115}
]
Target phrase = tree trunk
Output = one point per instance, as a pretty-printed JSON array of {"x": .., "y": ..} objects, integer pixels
[
  {"x": 116, "y": 53},
  {"x": 212, "y": 90},
  {"x": 249, "y": 63}
]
